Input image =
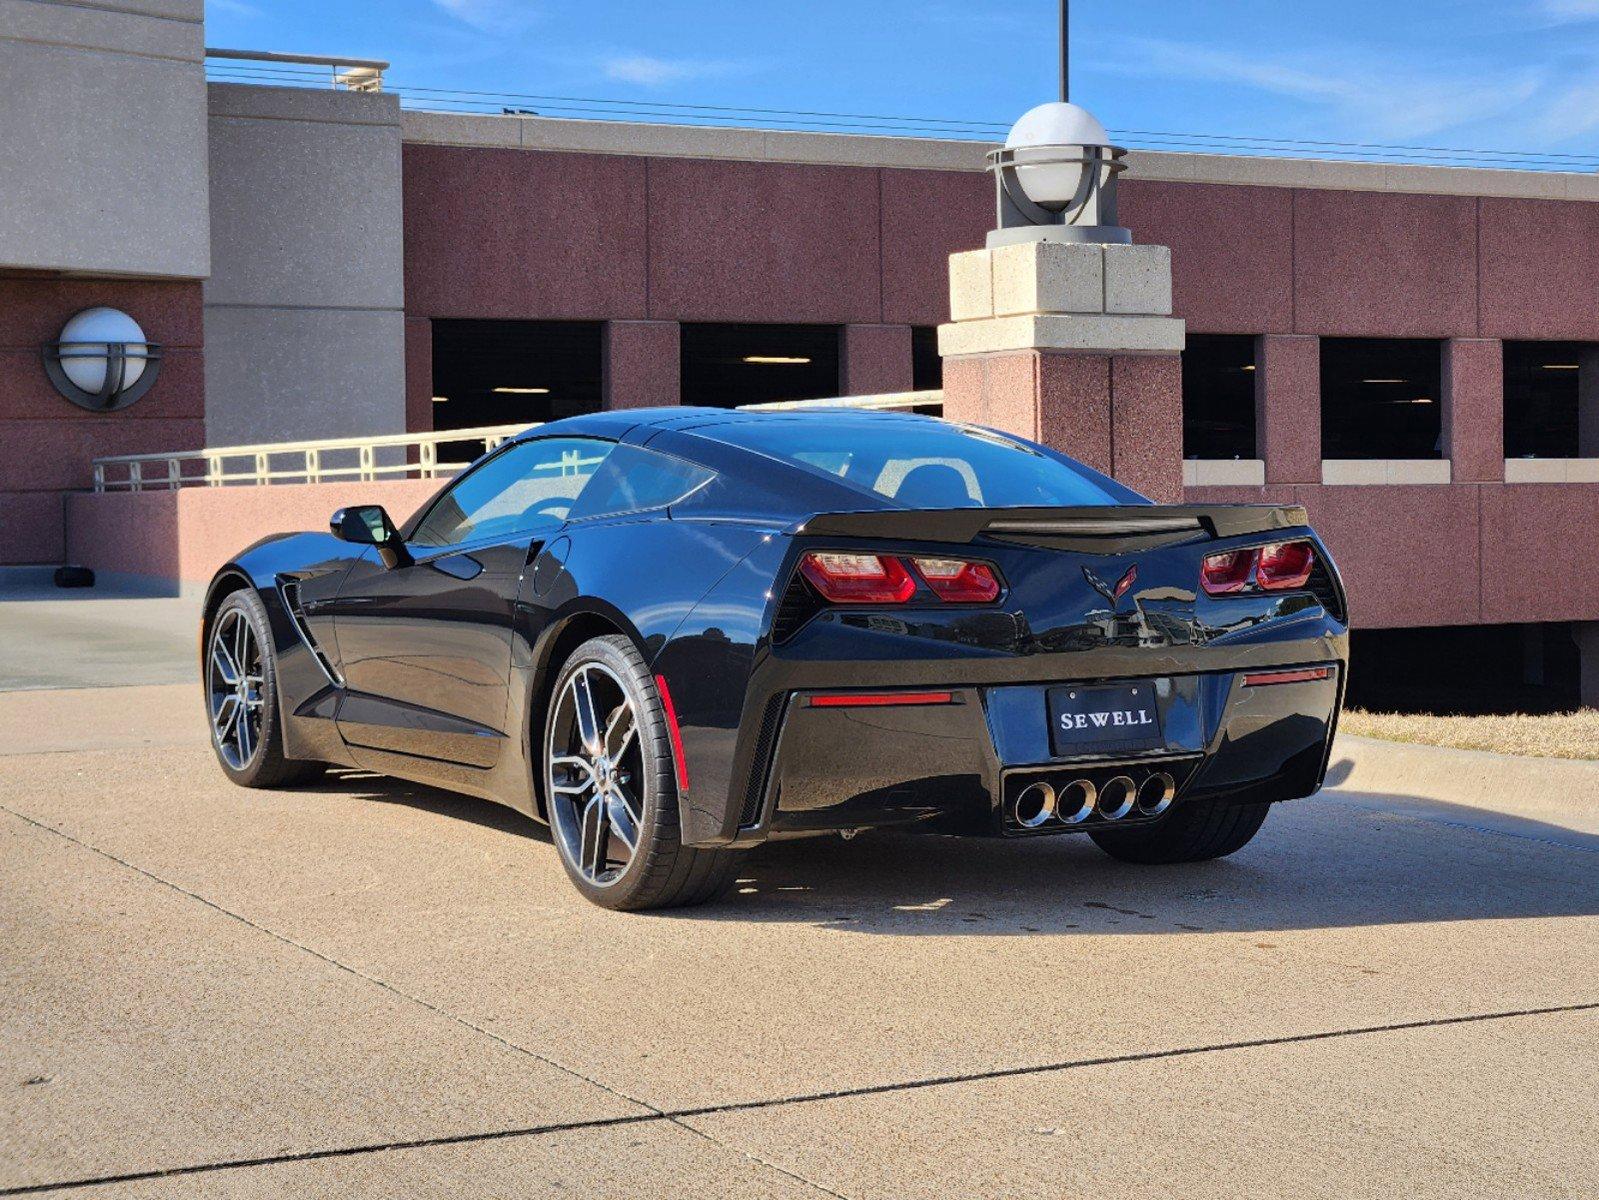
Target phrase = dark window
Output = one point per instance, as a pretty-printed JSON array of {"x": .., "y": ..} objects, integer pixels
[
  {"x": 927, "y": 368},
  {"x": 1541, "y": 384},
  {"x": 1219, "y": 396},
  {"x": 527, "y": 486},
  {"x": 725, "y": 366},
  {"x": 514, "y": 372},
  {"x": 925, "y": 464},
  {"x": 1380, "y": 398},
  {"x": 1465, "y": 669},
  {"x": 633, "y": 479}
]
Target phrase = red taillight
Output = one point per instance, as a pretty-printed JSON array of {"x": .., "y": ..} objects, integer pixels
[
  {"x": 1222, "y": 574},
  {"x": 1280, "y": 567},
  {"x": 1284, "y": 565},
  {"x": 880, "y": 699},
  {"x": 1302, "y": 675},
  {"x": 858, "y": 578},
  {"x": 957, "y": 581}
]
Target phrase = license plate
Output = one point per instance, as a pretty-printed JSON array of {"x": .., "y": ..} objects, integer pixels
[{"x": 1104, "y": 719}]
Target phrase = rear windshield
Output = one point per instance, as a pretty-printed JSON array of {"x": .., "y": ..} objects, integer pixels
[{"x": 927, "y": 465}]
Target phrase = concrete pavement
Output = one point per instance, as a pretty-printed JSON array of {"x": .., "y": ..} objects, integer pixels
[{"x": 372, "y": 989}]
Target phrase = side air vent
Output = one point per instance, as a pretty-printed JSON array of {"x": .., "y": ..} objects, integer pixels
[
  {"x": 291, "y": 601},
  {"x": 760, "y": 764},
  {"x": 1320, "y": 585},
  {"x": 799, "y": 605}
]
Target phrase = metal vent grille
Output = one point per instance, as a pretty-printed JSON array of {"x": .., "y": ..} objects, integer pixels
[
  {"x": 1321, "y": 586},
  {"x": 765, "y": 739},
  {"x": 799, "y": 605}
]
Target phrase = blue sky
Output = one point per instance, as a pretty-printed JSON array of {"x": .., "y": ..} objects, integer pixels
[{"x": 1500, "y": 74}]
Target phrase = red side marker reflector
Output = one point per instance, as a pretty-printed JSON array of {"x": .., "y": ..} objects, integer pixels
[
  {"x": 880, "y": 699},
  {"x": 1306, "y": 675},
  {"x": 678, "y": 760}
]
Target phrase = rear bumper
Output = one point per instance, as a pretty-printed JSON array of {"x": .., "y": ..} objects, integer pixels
[{"x": 961, "y": 766}]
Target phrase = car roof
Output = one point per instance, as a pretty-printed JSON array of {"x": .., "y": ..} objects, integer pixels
[{"x": 639, "y": 424}]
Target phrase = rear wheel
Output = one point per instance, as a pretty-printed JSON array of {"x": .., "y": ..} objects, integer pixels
[
  {"x": 242, "y": 698},
  {"x": 611, "y": 789},
  {"x": 1189, "y": 833}
]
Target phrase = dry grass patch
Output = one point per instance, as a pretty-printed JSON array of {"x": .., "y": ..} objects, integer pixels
[{"x": 1553, "y": 735}]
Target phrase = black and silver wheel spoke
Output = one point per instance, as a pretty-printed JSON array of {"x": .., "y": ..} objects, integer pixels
[
  {"x": 593, "y": 771},
  {"x": 236, "y": 684}
]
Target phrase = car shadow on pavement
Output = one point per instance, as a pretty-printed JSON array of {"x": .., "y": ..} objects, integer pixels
[{"x": 1340, "y": 858}]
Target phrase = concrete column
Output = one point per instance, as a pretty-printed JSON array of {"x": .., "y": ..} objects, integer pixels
[
  {"x": 1587, "y": 635},
  {"x": 1072, "y": 345},
  {"x": 876, "y": 359},
  {"x": 1588, "y": 402},
  {"x": 1288, "y": 407},
  {"x": 643, "y": 364},
  {"x": 1473, "y": 376}
]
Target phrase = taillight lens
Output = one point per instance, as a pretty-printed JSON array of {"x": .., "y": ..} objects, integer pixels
[
  {"x": 957, "y": 581},
  {"x": 1284, "y": 565},
  {"x": 1223, "y": 574},
  {"x": 858, "y": 578},
  {"x": 1280, "y": 567}
]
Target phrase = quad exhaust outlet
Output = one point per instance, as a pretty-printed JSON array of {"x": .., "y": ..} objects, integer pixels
[{"x": 1042, "y": 803}]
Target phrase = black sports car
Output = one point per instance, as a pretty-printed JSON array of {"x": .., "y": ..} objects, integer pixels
[{"x": 675, "y": 633}]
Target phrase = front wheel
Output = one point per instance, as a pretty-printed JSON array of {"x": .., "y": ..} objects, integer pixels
[
  {"x": 1193, "y": 832},
  {"x": 241, "y": 689},
  {"x": 610, "y": 787}
]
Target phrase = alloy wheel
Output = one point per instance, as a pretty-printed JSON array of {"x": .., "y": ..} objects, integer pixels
[
  {"x": 594, "y": 774},
  {"x": 235, "y": 682}
]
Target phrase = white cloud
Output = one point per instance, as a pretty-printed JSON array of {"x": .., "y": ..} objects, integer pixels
[
  {"x": 1372, "y": 98},
  {"x": 649, "y": 71},
  {"x": 491, "y": 16}
]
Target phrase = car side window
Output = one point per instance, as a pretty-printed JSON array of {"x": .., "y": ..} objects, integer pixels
[
  {"x": 524, "y": 488},
  {"x": 633, "y": 479}
]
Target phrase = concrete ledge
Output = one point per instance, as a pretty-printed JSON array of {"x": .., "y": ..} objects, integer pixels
[
  {"x": 1094, "y": 333},
  {"x": 249, "y": 100},
  {"x": 1369, "y": 471},
  {"x": 1555, "y": 791},
  {"x": 1224, "y": 472},
  {"x": 732, "y": 142},
  {"x": 1552, "y": 470},
  {"x": 179, "y": 538}
]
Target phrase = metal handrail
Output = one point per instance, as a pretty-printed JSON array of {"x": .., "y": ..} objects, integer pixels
[
  {"x": 128, "y": 472},
  {"x": 360, "y": 75},
  {"x": 883, "y": 401}
]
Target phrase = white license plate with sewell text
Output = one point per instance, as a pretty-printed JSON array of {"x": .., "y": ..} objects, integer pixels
[{"x": 1103, "y": 719}]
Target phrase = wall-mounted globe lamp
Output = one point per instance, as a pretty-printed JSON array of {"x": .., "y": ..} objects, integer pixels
[
  {"x": 1055, "y": 179},
  {"x": 102, "y": 361}
]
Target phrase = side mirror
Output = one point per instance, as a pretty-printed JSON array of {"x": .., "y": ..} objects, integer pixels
[{"x": 369, "y": 525}]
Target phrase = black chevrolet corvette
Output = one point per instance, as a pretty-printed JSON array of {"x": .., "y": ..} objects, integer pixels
[{"x": 675, "y": 633}]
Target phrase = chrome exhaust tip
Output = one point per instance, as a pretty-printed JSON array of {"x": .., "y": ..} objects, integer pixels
[
  {"x": 1156, "y": 793},
  {"x": 1117, "y": 797},
  {"x": 1076, "y": 801},
  {"x": 1034, "y": 805}
]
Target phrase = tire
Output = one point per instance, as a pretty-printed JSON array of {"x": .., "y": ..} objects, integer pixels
[
  {"x": 601, "y": 790},
  {"x": 250, "y": 754},
  {"x": 1194, "y": 832}
]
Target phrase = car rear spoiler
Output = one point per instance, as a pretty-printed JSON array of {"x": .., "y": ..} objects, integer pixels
[{"x": 1106, "y": 528}]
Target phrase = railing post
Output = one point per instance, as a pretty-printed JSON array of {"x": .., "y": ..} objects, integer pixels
[
  {"x": 174, "y": 474},
  {"x": 99, "y": 477},
  {"x": 213, "y": 470},
  {"x": 313, "y": 465},
  {"x": 263, "y": 467},
  {"x": 427, "y": 458},
  {"x": 136, "y": 476},
  {"x": 367, "y": 474}
]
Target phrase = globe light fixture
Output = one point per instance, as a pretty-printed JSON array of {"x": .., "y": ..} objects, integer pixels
[
  {"x": 1055, "y": 179},
  {"x": 102, "y": 361}
]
